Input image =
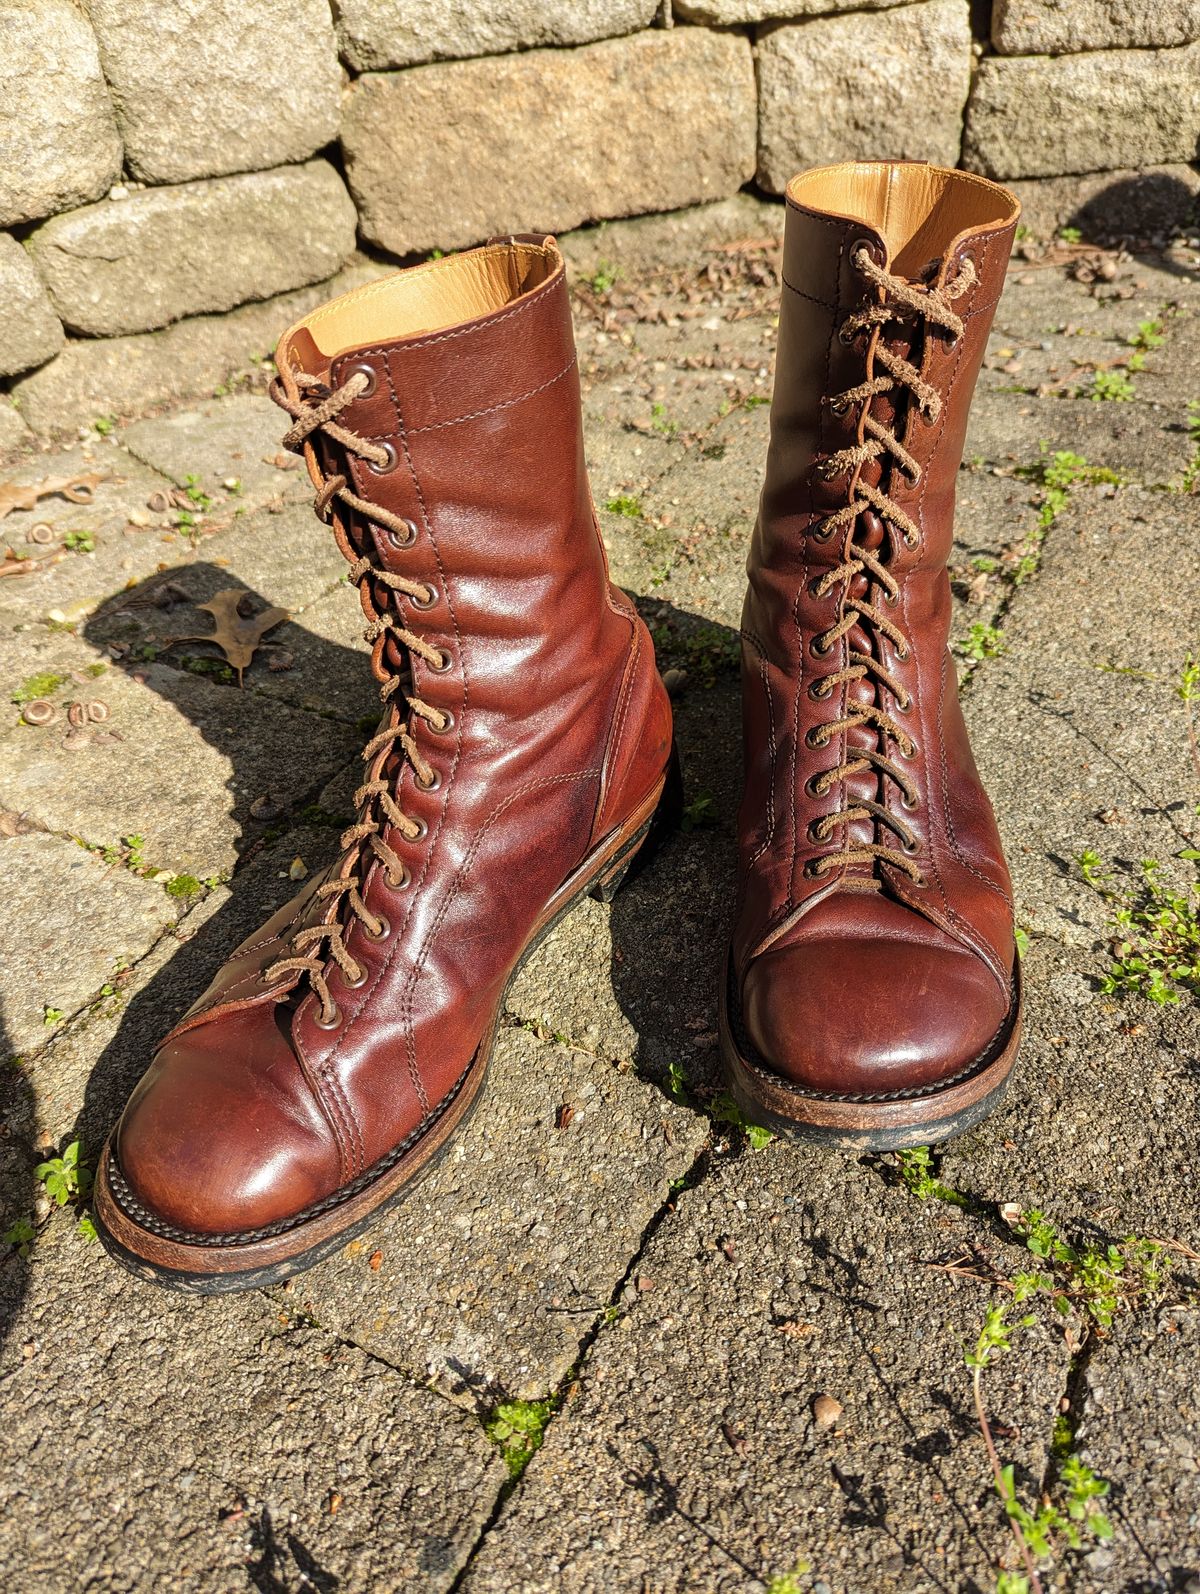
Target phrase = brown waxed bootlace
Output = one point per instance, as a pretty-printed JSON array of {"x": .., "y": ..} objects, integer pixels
[
  {"x": 935, "y": 307},
  {"x": 363, "y": 839}
]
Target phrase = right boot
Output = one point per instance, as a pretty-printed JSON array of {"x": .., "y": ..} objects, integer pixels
[{"x": 524, "y": 752}]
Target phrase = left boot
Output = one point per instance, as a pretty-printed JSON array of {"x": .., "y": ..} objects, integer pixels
[
  {"x": 523, "y": 752},
  {"x": 872, "y": 994}
]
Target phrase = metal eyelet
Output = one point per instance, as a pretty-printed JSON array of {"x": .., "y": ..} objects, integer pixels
[
  {"x": 820, "y": 689},
  {"x": 422, "y": 832},
  {"x": 385, "y": 929},
  {"x": 333, "y": 1021},
  {"x": 362, "y": 370},
  {"x": 364, "y": 974},
  {"x": 406, "y": 539},
  {"x": 813, "y": 869},
  {"x": 815, "y": 785},
  {"x": 910, "y": 845},
  {"x": 909, "y": 807},
  {"x": 866, "y": 246},
  {"x": 389, "y": 464},
  {"x": 442, "y": 665},
  {"x": 905, "y": 707},
  {"x": 427, "y": 602},
  {"x": 817, "y": 736},
  {"x": 429, "y": 785},
  {"x": 817, "y": 651},
  {"x": 446, "y": 726},
  {"x": 847, "y": 334},
  {"x": 818, "y": 830},
  {"x": 839, "y": 406},
  {"x": 398, "y": 885}
]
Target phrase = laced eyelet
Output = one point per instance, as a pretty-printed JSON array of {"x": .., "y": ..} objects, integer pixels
[
  {"x": 816, "y": 649},
  {"x": 362, "y": 370},
  {"x": 432, "y": 784},
  {"x": 821, "y": 533},
  {"x": 446, "y": 726},
  {"x": 427, "y": 602},
  {"x": 817, "y": 736},
  {"x": 403, "y": 539},
  {"x": 442, "y": 665},
  {"x": 839, "y": 405},
  {"x": 398, "y": 885},
  {"x": 815, "y": 786},
  {"x": 847, "y": 333},
  {"x": 332, "y": 1022},
  {"x": 904, "y": 707},
  {"x": 421, "y": 833},
  {"x": 814, "y": 868},
  {"x": 862, "y": 246},
  {"x": 820, "y": 689},
  {"x": 818, "y": 830},
  {"x": 385, "y": 929},
  {"x": 364, "y": 974},
  {"x": 910, "y": 807},
  {"x": 910, "y": 845},
  {"x": 389, "y": 463}
]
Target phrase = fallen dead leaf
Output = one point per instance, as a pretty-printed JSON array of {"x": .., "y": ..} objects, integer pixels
[{"x": 237, "y": 635}]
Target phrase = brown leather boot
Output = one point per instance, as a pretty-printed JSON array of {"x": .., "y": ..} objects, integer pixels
[
  {"x": 872, "y": 993},
  {"x": 523, "y": 751}
]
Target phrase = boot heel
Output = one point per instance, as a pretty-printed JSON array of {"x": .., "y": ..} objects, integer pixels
[{"x": 630, "y": 863}]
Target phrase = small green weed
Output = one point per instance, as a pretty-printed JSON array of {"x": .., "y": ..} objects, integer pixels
[
  {"x": 700, "y": 813},
  {"x": 1155, "y": 930},
  {"x": 724, "y": 1110},
  {"x": 1149, "y": 335},
  {"x": 603, "y": 278},
  {"x": 626, "y": 504},
  {"x": 52, "y": 1016},
  {"x": 105, "y": 425},
  {"x": 982, "y": 642},
  {"x": 704, "y": 650},
  {"x": 66, "y": 1178},
  {"x": 919, "y": 1176},
  {"x": 1112, "y": 387},
  {"x": 660, "y": 422},
  {"x": 789, "y": 1582},
  {"x": 79, "y": 542},
  {"x": 183, "y": 887},
  {"x": 1070, "y": 235},
  {"x": 20, "y": 1236},
  {"x": 753, "y": 401},
  {"x": 44, "y": 684},
  {"x": 677, "y": 1082},
  {"x": 517, "y": 1428}
]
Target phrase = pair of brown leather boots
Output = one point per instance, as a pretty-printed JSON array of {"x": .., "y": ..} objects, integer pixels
[{"x": 871, "y": 995}]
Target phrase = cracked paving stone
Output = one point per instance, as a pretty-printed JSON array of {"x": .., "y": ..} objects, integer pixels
[
  {"x": 1077, "y": 726},
  {"x": 687, "y": 1456},
  {"x": 70, "y": 920},
  {"x": 493, "y": 1269},
  {"x": 1139, "y": 1426},
  {"x": 1140, "y": 441},
  {"x": 236, "y": 437},
  {"x": 160, "y": 1442},
  {"x": 194, "y": 756}
]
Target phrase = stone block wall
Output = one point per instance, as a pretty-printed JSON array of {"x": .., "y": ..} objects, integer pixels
[{"x": 161, "y": 165}]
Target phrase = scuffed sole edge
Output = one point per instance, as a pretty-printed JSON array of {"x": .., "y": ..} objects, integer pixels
[{"x": 924, "y": 1119}]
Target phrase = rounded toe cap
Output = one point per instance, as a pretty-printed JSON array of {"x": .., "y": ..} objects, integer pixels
[
  {"x": 863, "y": 1016},
  {"x": 222, "y": 1138}
]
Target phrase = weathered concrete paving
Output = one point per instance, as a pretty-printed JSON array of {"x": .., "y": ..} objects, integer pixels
[{"x": 680, "y": 1298}]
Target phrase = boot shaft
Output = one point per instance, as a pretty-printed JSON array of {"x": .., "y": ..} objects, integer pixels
[{"x": 923, "y": 225}]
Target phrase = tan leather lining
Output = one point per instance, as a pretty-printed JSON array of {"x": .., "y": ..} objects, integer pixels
[
  {"x": 919, "y": 211},
  {"x": 423, "y": 299}
]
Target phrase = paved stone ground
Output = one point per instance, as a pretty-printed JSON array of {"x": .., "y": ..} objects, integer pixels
[{"x": 669, "y": 1298}]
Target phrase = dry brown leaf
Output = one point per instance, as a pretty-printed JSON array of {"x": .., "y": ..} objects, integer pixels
[
  {"x": 237, "y": 635},
  {"x": 75, "y": 489}
]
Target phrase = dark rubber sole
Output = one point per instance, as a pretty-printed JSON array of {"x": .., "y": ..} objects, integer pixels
[
  {"x": 923, "y": 1118},
  {"x": 237, "y": 1267}
]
